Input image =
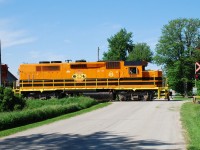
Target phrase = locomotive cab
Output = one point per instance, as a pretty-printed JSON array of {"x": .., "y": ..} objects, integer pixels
[{"x": 133, "y": 70}]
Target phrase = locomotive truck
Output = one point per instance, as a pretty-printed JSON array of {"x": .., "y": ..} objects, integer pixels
[{"x": 125, "y": 80}]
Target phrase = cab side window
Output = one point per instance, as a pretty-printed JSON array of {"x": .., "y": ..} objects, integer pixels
[{"x": 133, "y": 70}]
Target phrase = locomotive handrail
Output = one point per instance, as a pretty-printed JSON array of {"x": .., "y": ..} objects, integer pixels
[
  {"x": 46, "y": 85},
  {"x": 97, "y": 83},
  {"x": 32, "y": 84}
]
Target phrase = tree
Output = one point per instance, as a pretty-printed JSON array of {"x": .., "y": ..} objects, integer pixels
[
  {"x": 119, "y": 45},
  {"x": 175, "y": 51},
  {"x": 9, "y": 101},
  {"x": 141, "y": 51},
  {"x": 196, "y": 52}
]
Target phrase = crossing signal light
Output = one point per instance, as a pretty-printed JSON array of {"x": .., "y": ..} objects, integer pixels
[{"x": 197, "y": 76}]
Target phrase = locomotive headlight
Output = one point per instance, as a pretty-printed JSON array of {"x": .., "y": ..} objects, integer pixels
[
  {"x": 74, "y": 76},
  {"x": 83, "y": 76}
]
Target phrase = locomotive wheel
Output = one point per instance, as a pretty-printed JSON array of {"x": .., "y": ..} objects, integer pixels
[
  {"x": 114, "y": 95},
  {"x": 145, "y": 98},
  {"x": 121, "y": 97}
]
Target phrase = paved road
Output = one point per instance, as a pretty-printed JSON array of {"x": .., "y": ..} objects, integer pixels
[{"x": 122, "y": 125}]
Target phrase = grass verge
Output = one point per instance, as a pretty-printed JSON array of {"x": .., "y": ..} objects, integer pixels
[
  {"x": 181, "y": 98},
  {"x": 190, "y": 116},
  {"x": 33, "y": 125}
]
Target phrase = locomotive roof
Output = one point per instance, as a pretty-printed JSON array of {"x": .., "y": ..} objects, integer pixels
[
  {"x": 135, "y": 63},
  {"x": 126, "y": 63}
]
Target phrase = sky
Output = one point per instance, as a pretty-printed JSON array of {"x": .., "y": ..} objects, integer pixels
[{"x": 57, "y": 30}]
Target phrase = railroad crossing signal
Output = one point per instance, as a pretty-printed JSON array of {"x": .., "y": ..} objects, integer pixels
[
  {"x": 197, "y": 67},
  {"x": 197, "y": 76}
]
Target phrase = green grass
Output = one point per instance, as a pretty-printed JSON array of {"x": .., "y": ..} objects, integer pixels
[
  {"x": 33, "y": 104},
  {"x": 190, "y": 116},
  {"x": 33, "y": 125},
  {"x": 181, "y": 98}
]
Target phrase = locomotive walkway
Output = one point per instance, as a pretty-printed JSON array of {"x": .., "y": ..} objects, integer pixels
[{"x": 122, "y": 125}]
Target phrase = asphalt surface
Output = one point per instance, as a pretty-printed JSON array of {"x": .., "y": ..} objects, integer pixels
[{"x": 121, "y": 125}]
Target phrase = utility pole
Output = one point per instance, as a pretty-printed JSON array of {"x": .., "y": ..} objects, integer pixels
[
  {"x": 68, "y": 60},
  {"x": 98, "y": 53}
]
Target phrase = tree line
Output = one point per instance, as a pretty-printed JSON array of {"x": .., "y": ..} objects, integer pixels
[{"x": 177, "y": 50}]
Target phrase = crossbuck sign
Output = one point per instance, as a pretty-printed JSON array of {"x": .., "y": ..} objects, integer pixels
[{"x": 197, "y": 67}]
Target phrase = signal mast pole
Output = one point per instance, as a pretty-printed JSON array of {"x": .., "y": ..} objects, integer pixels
[{"x": 195, "y": 76}]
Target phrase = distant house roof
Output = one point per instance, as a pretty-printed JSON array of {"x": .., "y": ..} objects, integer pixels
[{"x": 11, "y": 77}]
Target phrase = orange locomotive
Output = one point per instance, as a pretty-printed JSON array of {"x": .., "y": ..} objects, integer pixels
[{"x": 127, "y": 80}]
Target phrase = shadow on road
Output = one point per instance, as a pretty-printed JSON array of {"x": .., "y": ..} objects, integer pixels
[{"x": 99, "y": 140}]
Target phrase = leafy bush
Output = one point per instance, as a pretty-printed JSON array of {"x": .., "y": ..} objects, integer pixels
[
  {"x": 85, "y": 102},
  {"x": 38, "y": 110},
  {"x": 9, "y": 101}
]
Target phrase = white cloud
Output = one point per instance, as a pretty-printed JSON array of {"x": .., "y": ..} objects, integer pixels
[
  {"x": 11, "y": 37},
  {"x": 45, "y": 56},
  {"x": 5, "y": 22},
  {"x": 152, "y": 66}
]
